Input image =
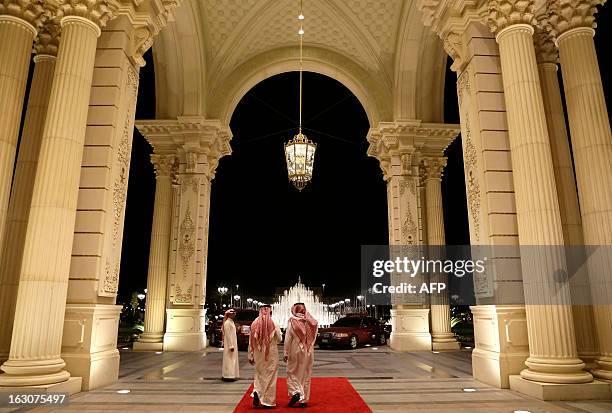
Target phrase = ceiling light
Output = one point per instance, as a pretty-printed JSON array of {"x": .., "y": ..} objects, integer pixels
[
  {"x": 469, "y": 390},
  {"x": 124, "y": 391}
]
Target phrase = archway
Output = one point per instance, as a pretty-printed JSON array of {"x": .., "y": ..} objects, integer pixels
[{"x": 281, "y": 233}]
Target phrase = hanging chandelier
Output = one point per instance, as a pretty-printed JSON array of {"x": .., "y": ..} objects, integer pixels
[{"x": 300, "y": 151}]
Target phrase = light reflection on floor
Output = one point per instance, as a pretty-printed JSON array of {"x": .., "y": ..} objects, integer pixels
[{"x": 388, "y": 381}]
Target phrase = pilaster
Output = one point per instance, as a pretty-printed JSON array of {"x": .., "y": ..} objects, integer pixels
[
  {"x": 399, "y": 147},
  {"x": 198, "y": 144},
  {"x": 490, "y": 189}
]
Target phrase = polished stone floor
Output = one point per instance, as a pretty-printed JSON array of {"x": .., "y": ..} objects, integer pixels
[{"x": 387, "y": 381}]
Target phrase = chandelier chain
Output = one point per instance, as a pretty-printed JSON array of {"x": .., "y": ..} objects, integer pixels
[{"x": 301, "y": 34}]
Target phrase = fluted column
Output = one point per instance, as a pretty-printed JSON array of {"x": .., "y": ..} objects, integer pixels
[
  {"x": 19, "y": 23},
  {"x": 442, "y": 337},
  {"x": 552, "y": 346},
  {"x": 39, "y": 315},
  {"x": 584, "y": 324},
  {"x": 572, "y": 23},
  {"x": 157, "y": 276},
  {"x": 23, "y": 183}
]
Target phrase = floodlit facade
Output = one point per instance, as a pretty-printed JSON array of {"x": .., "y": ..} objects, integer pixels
[{"x": 62, "y": 196}]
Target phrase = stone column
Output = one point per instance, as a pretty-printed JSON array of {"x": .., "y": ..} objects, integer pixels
[
  {"x": 572, "y": 24},
  {"x": 157, "y": 276},
  {"x": 552, "y": 346},
  {"x": 37, "y": 331},
  {"x": 584, "y": 324},
  {"x": 19, "y": 22},
  {"x": 199, "y": 144},
  {"x": 441, "y": 335},
  {"x": 25, "y": 172}
]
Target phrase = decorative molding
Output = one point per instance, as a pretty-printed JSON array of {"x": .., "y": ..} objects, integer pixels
[
  {"x": 186, "y": 246},
  {"x": 205, "y": 139},
  {"x": 409, "y": 229},
  {"x": 505, "y": 13},
  {"x": 181, "y": 297},
  {"x": 471, "y": 175}
]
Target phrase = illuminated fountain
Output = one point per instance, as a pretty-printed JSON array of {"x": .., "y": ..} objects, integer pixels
[{"x": 299, "y": 293}]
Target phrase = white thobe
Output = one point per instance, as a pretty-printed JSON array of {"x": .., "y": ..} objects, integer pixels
[
  {"x": 230, "y": 358},
  {"x": 266, "y": 371},
  {"x": 299, "y": 365}
]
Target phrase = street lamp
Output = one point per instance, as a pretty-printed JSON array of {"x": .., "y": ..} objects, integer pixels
[
  {"x": 141, "y": 296},
  {"x": 222, "y": 291},
  {"x": 237, "y": 299},
  {"x": 250, "y": 302}
]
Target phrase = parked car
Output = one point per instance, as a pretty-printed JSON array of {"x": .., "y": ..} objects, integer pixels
[
  {"x": 244, "y": 318},
  {"x": 352, "y": 331}
]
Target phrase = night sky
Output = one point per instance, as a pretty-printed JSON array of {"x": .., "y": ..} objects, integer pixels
[{"x": 263, "y": 232}]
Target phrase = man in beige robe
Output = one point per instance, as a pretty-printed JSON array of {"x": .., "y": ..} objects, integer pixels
[
  {"x": 230, "y": 371},
  {"x": 263, "y": 353},
  {"x": 300, "y": 339}
]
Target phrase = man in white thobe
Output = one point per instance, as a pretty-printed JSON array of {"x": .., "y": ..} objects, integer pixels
[
  {"x": 300, "y": 339},
  {"x": 230, "y": 371},
  {"x": 263, "y": 353}
]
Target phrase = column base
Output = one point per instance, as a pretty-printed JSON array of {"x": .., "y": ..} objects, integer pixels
[
  {"x": 184, "y": 341},
  {"x": 185, "y": 329},
  {"x": 595, "y": 390},
  {"x": 70, "y": 386},
  {"x": 410, "y": 329},
  {"x": 603, "y": 368},
  {"x": 501, "y": 344},
  {"x": 89, "y": 343},
  {"x": 144, "y": 346},
  {"x": 445, "y": 345}
]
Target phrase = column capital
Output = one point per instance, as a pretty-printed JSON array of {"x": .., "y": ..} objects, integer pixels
[
  {"x": 565, "y": 15},
  {"x": 165, "y": 165},
  {"x": 98, "y": 12},
  {"x": 400, "y": 145},
  {"x": 199, "y": 143},
  {"x": 433, "y": 167},
  {"x": 47, "y": 41},
  {"x": 545, "y": 48},
  {"x": 32, "y": 12},
  {"x": 502, "y": 14}
]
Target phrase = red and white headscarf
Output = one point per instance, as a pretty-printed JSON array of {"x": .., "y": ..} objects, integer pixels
[
  {"x": 304, "y": 326},
  {"x": 226, "y": 315},
  {"x": 262, "y": 330}
]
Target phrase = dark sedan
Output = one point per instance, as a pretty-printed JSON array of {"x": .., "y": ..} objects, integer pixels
[{"x": 352, "y": 331}]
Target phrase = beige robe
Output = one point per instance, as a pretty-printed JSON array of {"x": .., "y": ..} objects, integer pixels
[
  {"x": 230, "y": 358},
  {"x": 266, "y": 371},
  {"x": 299, "y": 366}
]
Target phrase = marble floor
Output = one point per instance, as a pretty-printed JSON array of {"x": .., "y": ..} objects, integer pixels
[{"x": 388, "y": 381}]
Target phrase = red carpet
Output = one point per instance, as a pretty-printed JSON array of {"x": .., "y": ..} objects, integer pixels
[{"x": 327, "y": 394}]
